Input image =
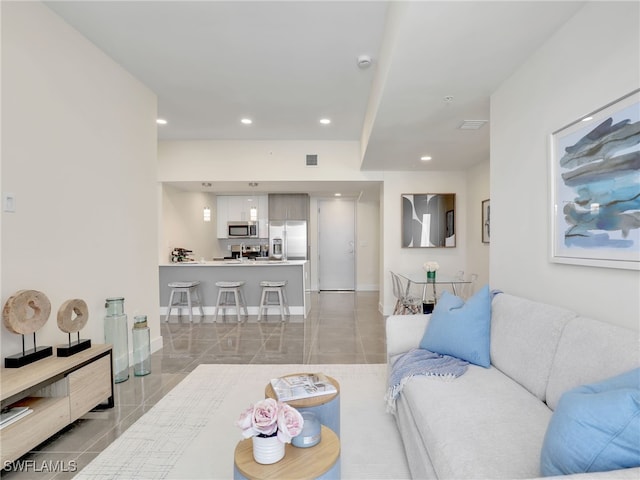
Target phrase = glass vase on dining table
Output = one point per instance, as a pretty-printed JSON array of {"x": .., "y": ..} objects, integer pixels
[
  {"x": 429, "y": 285},
  {"x": 429, "y": 299}
]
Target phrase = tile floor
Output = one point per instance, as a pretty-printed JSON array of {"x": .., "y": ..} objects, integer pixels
[{"x": 343, "y": 327}]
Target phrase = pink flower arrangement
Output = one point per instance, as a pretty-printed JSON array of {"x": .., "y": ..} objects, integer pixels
[{"x": 269, "y": 417}]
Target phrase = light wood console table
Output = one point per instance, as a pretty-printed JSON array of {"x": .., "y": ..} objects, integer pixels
[{"x": 59, "y": 390}]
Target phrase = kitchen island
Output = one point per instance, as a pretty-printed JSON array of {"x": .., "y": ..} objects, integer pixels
[{"x": 252, "y": 272}]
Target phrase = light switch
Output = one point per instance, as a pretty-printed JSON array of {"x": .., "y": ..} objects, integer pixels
[{"x": 9, "y": 202}]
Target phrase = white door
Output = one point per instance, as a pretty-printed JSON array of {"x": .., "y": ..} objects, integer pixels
[{"x": 336, "y": 244}]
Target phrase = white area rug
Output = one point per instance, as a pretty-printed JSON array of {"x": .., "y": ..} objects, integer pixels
[{"x": 190, "y": 433}]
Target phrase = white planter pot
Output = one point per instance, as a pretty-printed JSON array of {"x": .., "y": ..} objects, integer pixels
[{"x": 267, "y": 450}]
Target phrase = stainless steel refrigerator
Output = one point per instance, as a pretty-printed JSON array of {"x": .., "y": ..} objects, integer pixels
[{"x": 294, "y": 238}]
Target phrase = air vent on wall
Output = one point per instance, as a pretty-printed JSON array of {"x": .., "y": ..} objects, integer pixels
[
  {"x": 472, "y": 124},
  {"x": 312, "y": 160}
]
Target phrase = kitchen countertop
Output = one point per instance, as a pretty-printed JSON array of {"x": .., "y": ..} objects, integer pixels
[
  {"x": 294, "y": 272},
  {"x": 236, "y": 263}
]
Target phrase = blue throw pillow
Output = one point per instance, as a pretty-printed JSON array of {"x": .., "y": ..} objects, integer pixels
[
  {"x": 461, "y": 329},
  {"x": 595, "y": 428}
]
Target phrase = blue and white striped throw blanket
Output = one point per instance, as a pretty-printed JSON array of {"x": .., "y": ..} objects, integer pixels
[{"x": 419, "y": 361}]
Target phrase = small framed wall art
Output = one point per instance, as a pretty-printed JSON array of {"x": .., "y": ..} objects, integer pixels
[{"x": 486, "y": 221}]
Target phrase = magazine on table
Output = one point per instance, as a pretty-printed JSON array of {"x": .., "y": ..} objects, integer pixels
[{"x": 302, "y": 385}]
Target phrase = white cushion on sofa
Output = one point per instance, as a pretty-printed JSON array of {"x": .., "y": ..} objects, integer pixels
[
  {"x": 404, "y": 332},
  {"x": 524, "y": 339},
  {"x": 590, "y": 351},
  {"x": 480, "y": 425}
]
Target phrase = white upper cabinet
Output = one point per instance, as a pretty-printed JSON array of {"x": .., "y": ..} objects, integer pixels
[{"x": 243, "y": 208}]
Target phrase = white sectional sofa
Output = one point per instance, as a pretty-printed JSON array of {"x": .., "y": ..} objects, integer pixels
[{"x": 490, "y": 423}]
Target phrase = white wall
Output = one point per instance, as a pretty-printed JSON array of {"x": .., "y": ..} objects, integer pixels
[
  {"x": 477, "y": 252},
  {"x": 231, "y": 160},
  {"x": 183, "y": 225},
  {"x": 79, "y": 153},
  {"x": 593, "y": 60},
  {"x": 368, "y": 243}
]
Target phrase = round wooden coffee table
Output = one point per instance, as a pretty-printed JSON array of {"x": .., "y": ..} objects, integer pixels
[
  {"x": 325, "y": 407},
  {"x": 320, "y": 462}
]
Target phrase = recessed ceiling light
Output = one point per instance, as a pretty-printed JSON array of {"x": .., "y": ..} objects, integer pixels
[
  {"x": 425, "y": 158},
  {"x": 586, "y": 119},
  {"x": 337, "y": 194},
  {"x": 246, "y": 121},
  {"x": 161, "y": 121},
  {"x": 325, "y": 121}
]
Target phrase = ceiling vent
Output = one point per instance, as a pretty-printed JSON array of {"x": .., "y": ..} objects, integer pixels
[
  {"x": 312, "y": 160},
  {"x": 472, "y": 124}
]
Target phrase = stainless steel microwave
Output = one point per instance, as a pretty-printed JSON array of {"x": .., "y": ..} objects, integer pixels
[{"x": 242, "y": 230}]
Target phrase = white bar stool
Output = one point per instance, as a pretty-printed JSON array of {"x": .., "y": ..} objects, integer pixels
[
  {"x": 187, "y": 296},
  {"x": 233, "y": 290},
  {"x": 277, "y": 288}
]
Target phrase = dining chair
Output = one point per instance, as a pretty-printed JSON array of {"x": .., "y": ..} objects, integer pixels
[
  {"x": 396, "y": 293},
  {"x": 469, "y": 289},
  {"x": 406, "y": 301}
]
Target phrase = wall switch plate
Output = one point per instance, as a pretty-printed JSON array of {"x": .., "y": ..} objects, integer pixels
[{"x": 9, "y": 202}]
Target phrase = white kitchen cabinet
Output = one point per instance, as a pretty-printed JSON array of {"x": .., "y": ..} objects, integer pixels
[{"x": 238, "y": 208}]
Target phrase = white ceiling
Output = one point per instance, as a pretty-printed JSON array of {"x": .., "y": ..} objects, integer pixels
[
  {"x": 286, "y": 64},
  {"x": 348, "y": 189}
]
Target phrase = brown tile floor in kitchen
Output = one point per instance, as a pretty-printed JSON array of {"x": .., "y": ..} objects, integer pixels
[{"x": 342, "y": 327}]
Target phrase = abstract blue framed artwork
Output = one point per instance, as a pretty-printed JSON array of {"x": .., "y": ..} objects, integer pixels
[{"x": 595, "y": 187}]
